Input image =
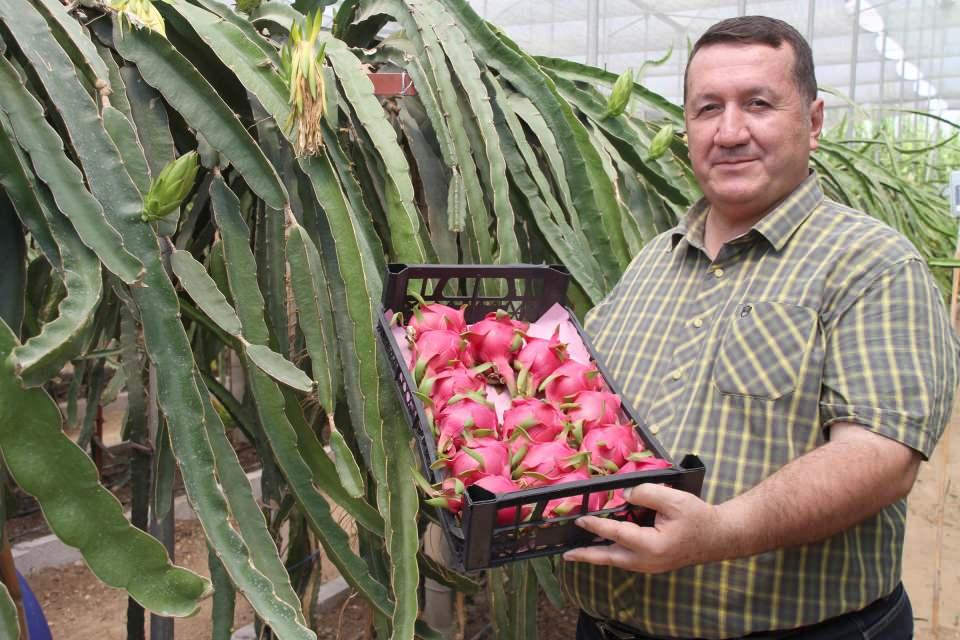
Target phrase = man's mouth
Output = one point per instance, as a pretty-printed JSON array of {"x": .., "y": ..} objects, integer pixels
[{"x": 733, "y": 161}]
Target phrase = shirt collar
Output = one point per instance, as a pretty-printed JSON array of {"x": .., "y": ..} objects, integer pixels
[{"x": 777, "y": 226}]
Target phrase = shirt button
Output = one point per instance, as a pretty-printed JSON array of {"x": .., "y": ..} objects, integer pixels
[
  {"x": 718, "y": 272},
  {"x": 676, "y": 375},
  {"x": 698, "y": 323}
]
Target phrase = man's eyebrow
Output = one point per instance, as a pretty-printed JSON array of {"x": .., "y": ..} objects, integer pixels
[{"x": 763, "y": 90}]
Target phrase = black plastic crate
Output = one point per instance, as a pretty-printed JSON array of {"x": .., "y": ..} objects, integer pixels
[{"x": 526, "y": 292}]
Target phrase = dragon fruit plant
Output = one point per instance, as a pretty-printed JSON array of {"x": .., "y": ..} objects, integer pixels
[{"x": 513, "y": 406}]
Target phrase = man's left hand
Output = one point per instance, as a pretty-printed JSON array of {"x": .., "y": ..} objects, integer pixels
[{"x": 686, "y": 531}]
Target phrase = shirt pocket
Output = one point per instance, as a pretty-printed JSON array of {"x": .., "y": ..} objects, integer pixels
[{"x": 763, "y": 349}]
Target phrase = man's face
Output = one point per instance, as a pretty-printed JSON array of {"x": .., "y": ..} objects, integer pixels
[{"x": 749, "y": 129}]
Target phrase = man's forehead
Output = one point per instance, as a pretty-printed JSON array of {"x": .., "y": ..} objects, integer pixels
[{"x": 722, "y": 56}]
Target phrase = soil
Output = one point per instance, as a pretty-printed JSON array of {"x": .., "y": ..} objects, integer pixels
[{"x": 78, "y": 607}]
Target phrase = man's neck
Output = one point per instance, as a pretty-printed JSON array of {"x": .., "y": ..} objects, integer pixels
[{"x": 720, "y": 229}]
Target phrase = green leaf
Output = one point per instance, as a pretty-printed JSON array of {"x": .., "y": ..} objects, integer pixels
[
  {"x": 270, "y": 401},
  {"x": 347, "y": 468},
  {"x": 278, "y": 367},
  {"x": 165, "y": 69},
  {"x": 314, "y": 313},
  {"x": 543, "y": 567},
  {"x": 201, "y": 287},
  {"x": 43, "y": 355},
  {"x": 9, "y": 623},
  {"x": 49, "y": 466},
  {"x": 66, "y": 183},
  {"x": 123, "y": 134}
]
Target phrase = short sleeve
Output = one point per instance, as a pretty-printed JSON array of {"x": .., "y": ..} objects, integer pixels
[{"x": 891, "y": 359}]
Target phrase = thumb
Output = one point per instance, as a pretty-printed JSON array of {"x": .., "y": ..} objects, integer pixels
[{"x": 658, "y": 497}]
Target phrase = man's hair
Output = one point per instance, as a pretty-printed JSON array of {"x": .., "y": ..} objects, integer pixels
[{"x": 762, "y": 30}]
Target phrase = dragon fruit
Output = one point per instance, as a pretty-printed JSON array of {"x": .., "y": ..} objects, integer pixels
[
  {"x": 531, "y": 420},
  {"x": 483, "y": 457},
  {"x": 430, "y": 317},
  {"x": 501, "y": 484},
  {"x": 544, "y": 463},
  {"x": 449, "y": 496},
  {"x": 446, "y": 383},
  {"x": 536, "y": 360},
  {"x": 610, "y": 445},
  {"x": 434, "y": 350},
  {"x": 465, "y": 413},
  {"x": 497, "y": 339},
  {"x": 535, "y": 412},
  {"x": 591, "y": 409},
  {"x": 569, "y": 379},
  {"x": 572, "y": 504}
]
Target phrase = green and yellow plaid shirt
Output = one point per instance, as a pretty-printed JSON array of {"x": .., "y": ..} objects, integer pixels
[{"x": 819, "y": 314}]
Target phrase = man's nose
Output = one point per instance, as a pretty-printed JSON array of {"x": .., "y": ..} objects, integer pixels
[{"x": 732, "y": 128}]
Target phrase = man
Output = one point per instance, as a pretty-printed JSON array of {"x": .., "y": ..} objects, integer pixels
[{"x": 800, "y": 348}]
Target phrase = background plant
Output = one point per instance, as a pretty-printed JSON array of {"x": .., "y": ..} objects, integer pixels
[{"x": 275, "y": 259}]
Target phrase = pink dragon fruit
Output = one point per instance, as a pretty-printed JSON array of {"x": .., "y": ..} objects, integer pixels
[
  {"x": 569, "y": 379},
  {"x": 499, "y": 485},
  {"x": 591, "y": 409},
  {"x": 482, "y": 457},
  {"x": 572, "y": 504},
  {"x": 542, "y": 463},
  {"x": 464, "y": 415},
  {"x": 446, "y": 383},
  {"x": 434, "y": 350},
  {"x": 610, "y": 445},
  {"x": 531, "y": 420},
  {"x": 449, "y": 496},
  {"x": 496, "y": 339},
  {"x": 430, "y": 317},
  {"x": 536, "y": 360}
]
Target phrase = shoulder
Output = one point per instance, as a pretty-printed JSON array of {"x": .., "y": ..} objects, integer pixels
[
  {"x": 858, "y": 238},
  {"x": 856, "y": 250}
]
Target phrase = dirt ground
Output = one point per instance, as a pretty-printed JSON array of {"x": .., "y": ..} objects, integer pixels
[{"x": 78, "y": 607}]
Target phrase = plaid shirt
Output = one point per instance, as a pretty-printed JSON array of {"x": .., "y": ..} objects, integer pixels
[{"x": 818, "y": 314}]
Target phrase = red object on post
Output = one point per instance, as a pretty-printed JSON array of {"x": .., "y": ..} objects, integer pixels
[{"x": 392, "y": 84}]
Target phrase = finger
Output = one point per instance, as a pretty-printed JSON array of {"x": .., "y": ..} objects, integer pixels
[
  {"x": 608, "y": 555},
  {"x": 627, "y": 534},
  {"x": 654, "y": 496}
]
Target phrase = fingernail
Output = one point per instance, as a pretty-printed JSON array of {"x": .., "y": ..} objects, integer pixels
[
  {"x": 627, "y": 492},
  {"x": 578, "y": 522}
]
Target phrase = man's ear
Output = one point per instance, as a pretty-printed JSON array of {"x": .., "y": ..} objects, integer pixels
[{"x": 816, "y": 123}]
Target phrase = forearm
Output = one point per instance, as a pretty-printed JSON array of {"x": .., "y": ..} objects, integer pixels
[{"x": 832, "y": 488}]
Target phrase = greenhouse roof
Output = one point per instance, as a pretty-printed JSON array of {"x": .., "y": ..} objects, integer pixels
[{"x": 895, "y": 54}]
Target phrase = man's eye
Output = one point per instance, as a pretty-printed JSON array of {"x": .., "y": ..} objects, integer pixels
[
  {"x": 708, "y": 108},
  {"x": 759, "y": 103}
]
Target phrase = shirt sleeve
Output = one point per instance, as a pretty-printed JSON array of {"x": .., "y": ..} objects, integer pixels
[{"x": 891, "y": 359}]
